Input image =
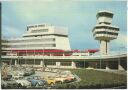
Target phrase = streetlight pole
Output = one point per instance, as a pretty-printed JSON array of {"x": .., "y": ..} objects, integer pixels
[
  {"x": 100, "y": 61},
  {"x": 18, "y": 58},
  {"x": 11, "y": 58},
  {"x": 84, "y": 63},
  {"x": 26, "y": 54},
  {"x": 34, "y": 56},
  {"x": 43, "y": 57}
]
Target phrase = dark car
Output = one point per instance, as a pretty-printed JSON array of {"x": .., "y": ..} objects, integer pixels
[{"x": 36, "y": 81}]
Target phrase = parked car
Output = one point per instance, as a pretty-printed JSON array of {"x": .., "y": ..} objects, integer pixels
[
  {"x": 12, "y": 84},
  {"x": 48, "y": 69},
  {"x": 17, "y": 76},
  {"x": 50, "y": 80},
  {"x": 59, "y": 79},
  {"x": 70, "y": 78},
  {"x": 3, "y": 84},
  {"x": 29, "y": 71},
  {"x": 23, "y": 82},
  {"x": 36, "y": 81},
  {"x": 65, "y": 72},
  {"x": 55, "y": 70},
  {"x": 67, "y": 76},
  {"x": 55, "y": 80}
]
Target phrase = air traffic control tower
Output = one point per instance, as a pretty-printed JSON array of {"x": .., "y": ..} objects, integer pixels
[{"x": 104, "y": 31}]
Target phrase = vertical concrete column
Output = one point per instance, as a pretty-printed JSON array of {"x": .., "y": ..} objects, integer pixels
[
  {"x": 73, "y": 64},
  {"x": 57, "y": 64},
  {"x": 119, "y": 66},
  {"x": 104, "y": 47},
  {"x": 41, "y": 63},
  {"x": 15, "y": 62},
  {"x": 107, "y": 66}
]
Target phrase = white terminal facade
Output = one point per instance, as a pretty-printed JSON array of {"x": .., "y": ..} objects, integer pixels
[
  {"x": 42, "y": 36},
  {"x": 104, "y": 31},
  {"x": 42, "y": 40}
]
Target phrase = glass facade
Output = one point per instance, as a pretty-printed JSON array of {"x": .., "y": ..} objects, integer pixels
[{"x": 105, "y": 32}]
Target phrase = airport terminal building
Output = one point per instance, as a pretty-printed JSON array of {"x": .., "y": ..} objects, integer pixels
[{"x": 45, "y": 45}]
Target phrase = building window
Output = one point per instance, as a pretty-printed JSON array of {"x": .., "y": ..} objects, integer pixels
[
  {"x": 105, "y": 32},
  {"x": 32, "y": 40},
  {"x": 54, "y": 45},
  {"x": 32, "y": 45},
  {"x": 39, "y": 31},
  {"x": 106, "y": 27}
]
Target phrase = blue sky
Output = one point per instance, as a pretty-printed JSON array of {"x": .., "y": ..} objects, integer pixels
[{"x": 78, "y": 16}]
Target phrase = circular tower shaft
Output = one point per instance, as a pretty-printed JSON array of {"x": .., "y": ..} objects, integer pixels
[{"x": 104, "y": 31}]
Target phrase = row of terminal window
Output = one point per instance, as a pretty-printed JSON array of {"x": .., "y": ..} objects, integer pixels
[
  {"x": 105, "y": 32},
  {"x": 105, "y": 14},
  {"x": 31, "y": 45},
  {"x": 32, "y": 40},
  {"x": 106, "y": 27},
  {"x": 39, "y": 31}
]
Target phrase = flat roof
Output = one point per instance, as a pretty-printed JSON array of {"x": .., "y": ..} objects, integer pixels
[{"x": 104, "y": 13}]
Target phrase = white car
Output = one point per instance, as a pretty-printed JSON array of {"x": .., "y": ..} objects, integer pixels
[
  {"x": 23, "y": 82},
  {"x": 17, "y": 76},
  {"x": 48, "y": 69},
  {"x": 65, "y": 73}
]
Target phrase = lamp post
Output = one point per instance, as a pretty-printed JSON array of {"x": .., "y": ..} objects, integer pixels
[
  {"x": 25, "y": 59},
  {"x": 18, "y": 58},
  {"x": 100, "y": 61},
  {"x": 11, "y": 58},
  {"x": 34, "y": 56},
  {"x": 43, "y": 57},
  {"x": 26, "y": 54}
]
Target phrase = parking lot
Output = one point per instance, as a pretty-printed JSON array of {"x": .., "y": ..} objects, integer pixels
[{"x": 29, "y": 77}]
